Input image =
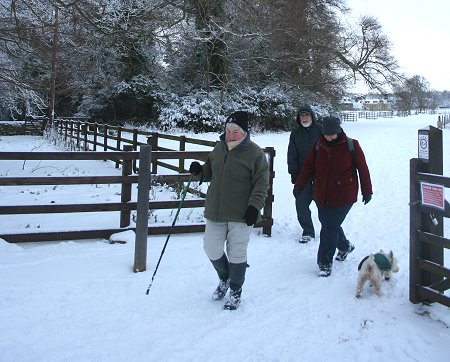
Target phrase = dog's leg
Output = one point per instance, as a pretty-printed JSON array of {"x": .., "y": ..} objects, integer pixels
[
  {"x": 362, "y": 278},
  {"x": 377, "y": 284},
  {"x": 359, "y": 287},
  {"x": 387, "y": 275}
]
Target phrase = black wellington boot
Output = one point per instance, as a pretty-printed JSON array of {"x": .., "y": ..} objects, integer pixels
[
  {"x": 237, "y": 278},
  {"x": 222, "y": 268}
]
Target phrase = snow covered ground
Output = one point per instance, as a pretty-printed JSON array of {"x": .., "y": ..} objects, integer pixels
[{"x": 81, "y": 301}]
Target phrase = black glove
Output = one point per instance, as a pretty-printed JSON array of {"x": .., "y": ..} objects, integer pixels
[
  {"x": 293, "y": 178},
  {"x": 251, "y": 215},
  {"x": 366, "y": 199},
  {"x": 195, "y": 168}
]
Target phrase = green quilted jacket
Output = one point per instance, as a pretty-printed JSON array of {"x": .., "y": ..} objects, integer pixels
[{"x": 238, "y": 178}]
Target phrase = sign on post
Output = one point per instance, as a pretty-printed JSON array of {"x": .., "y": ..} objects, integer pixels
[
  {"x": 432, "y": 195},
  {"x": 424, "y": 150}
]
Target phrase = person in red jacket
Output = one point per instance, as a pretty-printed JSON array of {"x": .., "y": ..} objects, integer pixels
[{"x": 332, "y": 168}]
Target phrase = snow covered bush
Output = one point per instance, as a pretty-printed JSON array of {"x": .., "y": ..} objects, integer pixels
[
  {"x": 197, "y": 112},
  {"x": 206, "y": 112}
]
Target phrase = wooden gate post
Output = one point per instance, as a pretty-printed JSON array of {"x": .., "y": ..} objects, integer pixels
[
  {"x": 140, "y": 251},
  {"x": 431, "y": 161},
  {"x": 267, "y": 211},
  {"x": 415, "y": 224},
  {"x": 125, "y": 195}
]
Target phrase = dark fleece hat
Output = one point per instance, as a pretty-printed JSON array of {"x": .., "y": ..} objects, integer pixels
[
  {"x": 305, "y": 108},
  {"x": 240, "y": 118},
  {"x": 331, "y": 125}
]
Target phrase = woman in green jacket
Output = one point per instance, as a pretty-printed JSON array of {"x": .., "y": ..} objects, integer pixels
[{"x": 238, "y": 173}]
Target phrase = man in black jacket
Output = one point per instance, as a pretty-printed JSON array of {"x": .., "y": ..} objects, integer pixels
[{"x": 301, "y": 141}]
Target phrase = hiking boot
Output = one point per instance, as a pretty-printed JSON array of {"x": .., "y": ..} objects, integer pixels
[
  {"x": 306, "y": 239},
  {"x": 234, "y": 301},
  {"x": 221, "y": 290},
  {"x": 342, "y": 255},
  {"x": 325, "y": 270}
]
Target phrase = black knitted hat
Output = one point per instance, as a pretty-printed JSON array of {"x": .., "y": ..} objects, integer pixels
[
  {"x": 331, "y": 125},
  {"x": 240, "y": 118}
]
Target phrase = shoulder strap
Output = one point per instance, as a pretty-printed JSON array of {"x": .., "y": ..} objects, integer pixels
[
  {"x": 351, "y": 148},
  {"x": 350, "y": 145}
]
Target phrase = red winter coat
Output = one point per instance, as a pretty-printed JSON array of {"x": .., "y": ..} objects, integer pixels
[{"x": 330, "y": 168}]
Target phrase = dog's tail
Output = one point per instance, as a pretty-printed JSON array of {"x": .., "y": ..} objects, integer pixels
[{"x": 370, "y": 263}]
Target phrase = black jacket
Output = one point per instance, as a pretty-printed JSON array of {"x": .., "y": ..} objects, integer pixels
[{"x": 301, "y": 141}]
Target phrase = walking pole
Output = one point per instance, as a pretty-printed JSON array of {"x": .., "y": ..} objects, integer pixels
[{"x": 170, "y": 233}]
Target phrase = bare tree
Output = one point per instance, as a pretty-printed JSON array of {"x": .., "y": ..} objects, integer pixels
[
  {"x": 414, "y": 93},
  {"x": 419, "y": 88},
  {"x": 365, "y": 54}
]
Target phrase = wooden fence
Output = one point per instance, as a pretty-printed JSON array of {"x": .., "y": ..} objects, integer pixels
[
  {"x": 353, "y": 116},
  {"x": 443, "y": 121},
  {"x": 85, "y": 136},
  {"x": 80, "y": 135}
]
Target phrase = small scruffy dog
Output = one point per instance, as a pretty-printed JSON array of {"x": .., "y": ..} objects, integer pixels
[{"x": 373, "y": 268}]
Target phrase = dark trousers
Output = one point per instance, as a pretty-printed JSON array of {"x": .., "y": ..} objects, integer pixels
[
  {"x": 331, "y": 234},
  {"x": 303, "y": 200}
]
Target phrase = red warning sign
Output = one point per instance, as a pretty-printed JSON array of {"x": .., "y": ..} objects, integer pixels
[{"x": 433, "y": 195}]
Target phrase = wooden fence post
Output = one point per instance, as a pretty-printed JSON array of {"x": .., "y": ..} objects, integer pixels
[
  {"x": 95, "y": 135},
  {"x": 78, "y": 136},
  {"x": 71, "y": 142},
  {"x": 119, "y": 139},
  {"x": 182, "y": 148},
  {"x": 135, "y": 147},
  {"x": 105, "y": 137},
  {"x": 126, "y": 189},
  {"x": 85, "y": 136},
  {"x": 60, "y": 126},
  {"x": 65, "y": 132},
  {"x": 140, "y": 251},
  {"x": 154, "y": 144},
  {"x": 267, "y": 211}
]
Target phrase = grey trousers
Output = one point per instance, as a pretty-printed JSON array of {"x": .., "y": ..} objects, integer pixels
[{"x": 234, "y": 235}]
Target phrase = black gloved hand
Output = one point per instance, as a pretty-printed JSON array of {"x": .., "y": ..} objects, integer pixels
[
  {"x": 251, "y": 215},
  {"x": 293, "y": 178},
  {"x": 195, "y": 168},
  {"x": 366, "y": 199}
]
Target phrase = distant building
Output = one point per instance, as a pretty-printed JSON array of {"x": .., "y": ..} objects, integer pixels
[{"x": 346, "y": 104}]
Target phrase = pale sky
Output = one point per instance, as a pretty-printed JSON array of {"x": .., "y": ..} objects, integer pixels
[{"x": 419, "y": 32}]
